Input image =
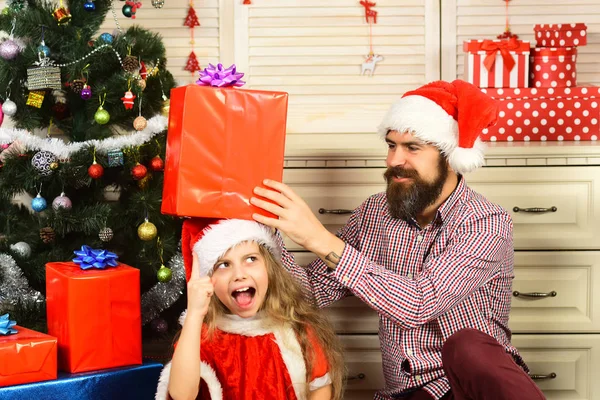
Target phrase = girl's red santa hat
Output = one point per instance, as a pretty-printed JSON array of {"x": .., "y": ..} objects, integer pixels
[
  {"x": 210, "y": 239},
  {"x": 449, "y": 115}
]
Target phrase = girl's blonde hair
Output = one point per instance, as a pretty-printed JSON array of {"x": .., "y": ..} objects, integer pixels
[{"x": 286, "y": 303}]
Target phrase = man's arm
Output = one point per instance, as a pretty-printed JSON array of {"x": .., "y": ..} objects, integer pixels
[{"x": 473, "y": 257}]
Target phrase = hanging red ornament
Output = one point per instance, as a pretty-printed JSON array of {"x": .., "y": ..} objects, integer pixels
[
  {"x": 370, "y": 14},
  {"x": 139, "y": 171},
  {"x": 192, "y": 63},
  {"x": 130, "y": 8},
  {"x": 507, "y": 34},
  {"x": 95, "y": 170},
  {"x": 247, "y": 2},
  {"x": 143, "y": 70},
  {"x": 157, "y": 164},
  {"x": 192, "y": 19},
  {"x": 128, "y": 100}
]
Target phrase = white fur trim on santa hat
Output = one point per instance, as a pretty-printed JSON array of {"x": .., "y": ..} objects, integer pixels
[
  {"x": 425, "y": 119},
  {"x": 463, "y": 160},
  {"x": 207, "y": 374},
  {"x": 220, "y": 237}
]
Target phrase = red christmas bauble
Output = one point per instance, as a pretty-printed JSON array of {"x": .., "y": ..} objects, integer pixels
[
  {"x": 95, "y": 170},
  {"x": 157, "y": 164},
  {"x": 139, "y": 171}
]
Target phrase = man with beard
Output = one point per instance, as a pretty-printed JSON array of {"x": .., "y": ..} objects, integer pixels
[{"x": 431, "y": 256}]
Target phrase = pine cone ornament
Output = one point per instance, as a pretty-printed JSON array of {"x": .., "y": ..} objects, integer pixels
[
  {"x": 47, "y": 235},
  {"x": 131, "y": 64},
  {"x": 77, "y": 85}
]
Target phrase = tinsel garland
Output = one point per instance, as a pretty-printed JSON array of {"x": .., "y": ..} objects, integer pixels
[
  {"x": 14, "y": 286},
  {"x": 60, "y": 149},
  {"x": 162, "y": 295}
]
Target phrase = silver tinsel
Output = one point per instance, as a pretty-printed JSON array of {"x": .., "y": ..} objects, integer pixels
[
  {"x": 14, "y": 286},
  {"x": 162, "y": 295}
]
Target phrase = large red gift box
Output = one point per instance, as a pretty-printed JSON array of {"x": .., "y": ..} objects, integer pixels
[
  {"x": 95, "y": 314},
  {"x": 553, "y": 114},
  {"x": 497, "y": 63},
  {"x": 221, "y": 143},
  {"x": 560, "y": 35},
  {"x": 27, "y": 356},
  {"x": 554, "y": 67}
]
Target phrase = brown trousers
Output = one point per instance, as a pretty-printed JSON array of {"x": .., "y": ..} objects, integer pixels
[{"x": 478, "y": 368}]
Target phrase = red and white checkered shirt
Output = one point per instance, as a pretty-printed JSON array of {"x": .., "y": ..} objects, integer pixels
[{"x": 425, "y": 284}]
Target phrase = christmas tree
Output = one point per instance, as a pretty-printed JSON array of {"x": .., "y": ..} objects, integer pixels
[{"x": 90, "y": 113}]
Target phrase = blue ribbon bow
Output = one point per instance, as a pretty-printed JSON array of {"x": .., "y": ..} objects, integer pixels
[
  {"x": 6, "y": 325},
  {"x": 94, "y": 258}
]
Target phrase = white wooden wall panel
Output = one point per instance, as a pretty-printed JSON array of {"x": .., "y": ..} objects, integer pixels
[
  {"x": 168, "y": 21},
  {"x": 485, "y": 19},
  {"x": 314, "y": 49}
]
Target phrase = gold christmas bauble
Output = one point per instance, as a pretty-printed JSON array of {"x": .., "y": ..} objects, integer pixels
[
  {"x": 140, "y": 123},
  {"x": 141, "y": 83},
  {"x": 166, "y": 107},
  {"x": 147, "y": 231}
]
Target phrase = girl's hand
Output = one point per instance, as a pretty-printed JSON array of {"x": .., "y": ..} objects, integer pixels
[{"x": 199, "y": 291}]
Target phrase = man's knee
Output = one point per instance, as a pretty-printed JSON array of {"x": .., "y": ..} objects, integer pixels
[{"x": 462, "y": 347}]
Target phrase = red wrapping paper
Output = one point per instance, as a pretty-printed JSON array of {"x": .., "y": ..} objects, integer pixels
[
  {"x": 554, "y": 67},
  {"x": 221, "y": 143},
  {"x": 27, "y": 356},
  {"x": 560, "y": 35},
  {"x": 546, "y": 114},
  {"x": 95, "y": 314},
  {"x": 497, "y": 63}
]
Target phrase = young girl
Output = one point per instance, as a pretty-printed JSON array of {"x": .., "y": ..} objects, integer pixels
[{"x": 257, "y": 337}]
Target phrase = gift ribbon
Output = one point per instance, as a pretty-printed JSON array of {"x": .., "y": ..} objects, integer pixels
[
  {"x": 492, "y": 47},
  {"x": 6, "y": 325},
  {"x": 94, "y": 258},
  {"x": 219, "y": 77}
]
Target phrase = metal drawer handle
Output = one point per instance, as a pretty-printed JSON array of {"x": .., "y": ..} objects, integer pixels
[
  {"x": 537, "y": 377},
  {"x": 358, "y": 377},
  {"x": 537, "y": 210},
  {"x": 538, "y": 295},
  {"x": 338, "y": 211}
]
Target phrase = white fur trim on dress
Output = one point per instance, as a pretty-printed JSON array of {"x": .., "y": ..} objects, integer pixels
[
  {"x": 425, "y": 119},
  {"x": 207, "y": 374},
  {"x": 220, "y": 237},
  {"x": 320, "y": 382},
  {"x": 286, "y": 340}
]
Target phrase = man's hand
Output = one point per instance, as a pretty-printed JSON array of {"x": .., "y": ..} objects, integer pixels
[{"x": 296, "y": 219}]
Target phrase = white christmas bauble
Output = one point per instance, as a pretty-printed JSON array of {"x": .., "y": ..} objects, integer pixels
[
  {"x": 9, "y": 107},
  {"x": 22, "y": 249}
]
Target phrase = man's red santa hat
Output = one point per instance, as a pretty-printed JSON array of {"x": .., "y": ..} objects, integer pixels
[
  {"x": 211, "y": 238},
  {"x": 449, "y": 115}
]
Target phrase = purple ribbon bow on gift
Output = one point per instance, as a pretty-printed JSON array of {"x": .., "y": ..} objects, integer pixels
[
  {"x": 89, "y": 258},
  {"x": 6, "y": 325},
  {"x": 219, "y": 77}
]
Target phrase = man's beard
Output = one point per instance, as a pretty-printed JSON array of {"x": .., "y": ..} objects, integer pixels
[{"x": 408, "y": 199}]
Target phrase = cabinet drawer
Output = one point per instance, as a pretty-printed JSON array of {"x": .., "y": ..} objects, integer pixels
[
  {"x": 567, "y": 281},
  {"x": 566, "y": 366},
  {"x": 572, "y": 191},
  {"x": 563, "y": 366},
  {"x": 570, "y": 279}
]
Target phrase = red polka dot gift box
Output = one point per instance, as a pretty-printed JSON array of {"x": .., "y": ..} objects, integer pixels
[
  {"x": 497, "y": 63},
  {"x": 545, "y": 114},
  {"x": 560, "y": 35},
  {"x": 554, "y": 67}
]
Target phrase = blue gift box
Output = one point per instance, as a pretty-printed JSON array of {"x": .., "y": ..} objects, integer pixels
[{"x": 127, "y": 383}]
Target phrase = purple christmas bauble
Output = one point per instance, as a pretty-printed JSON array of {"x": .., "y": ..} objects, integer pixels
[
  {"x": 9, "y": 49},
  {"x": 62, "y": 202},
  {"x": 86, "y": 93},
  {"x": 159, "y": 325}
]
